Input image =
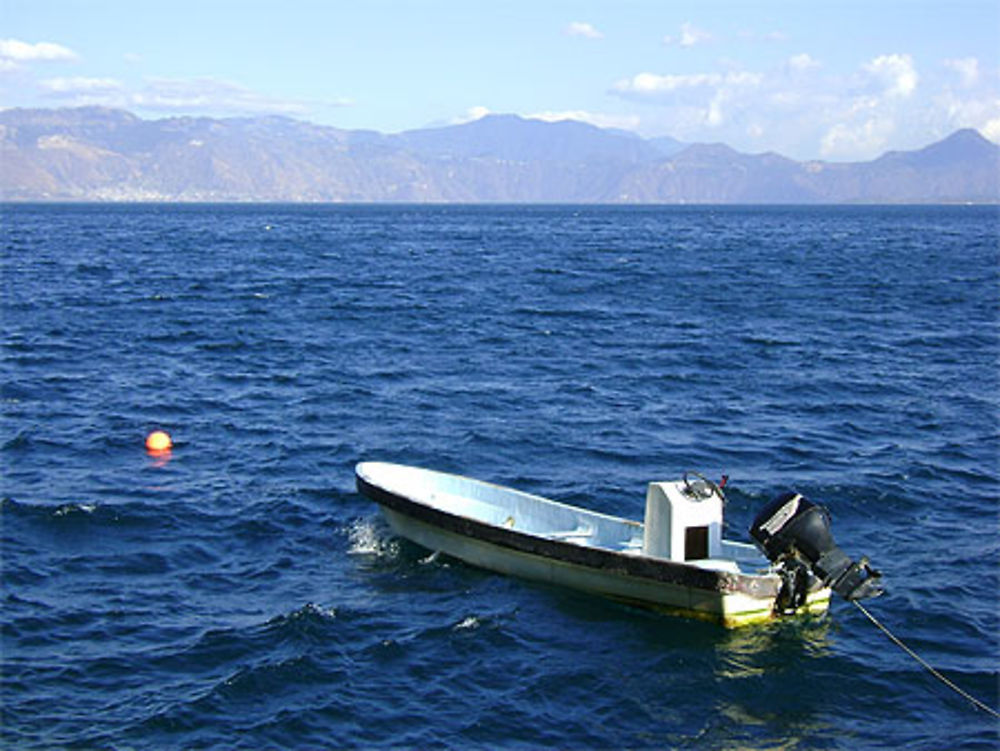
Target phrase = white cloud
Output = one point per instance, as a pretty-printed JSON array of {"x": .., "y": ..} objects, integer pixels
[
  {"x": 205, "y": 96},
  {"x": 805, "y": 108},
  {"x": 991, "y": 129},
  {"x": 848, "y": 141},
  {"x": 896, "y": 73},
  {"x": 767, "y": 37},
  {"x": 690, "y": 36},
  {"x": 16, "y": 51},
  {"x": 862, "y": 124},
  {"x": 696, "y": 101},
  {"x": 583, "y": 29},
  {"x": 77, "y": 85},
  {"x": 472, "y": 114},
  {"x": 15, "y": 54},
  {"x": 601, "y": 120},
  {"x": 209, "y": 95},
  {"x": 967, "y": 69},
  {"x": 977, "y": 108},
  {"x": 651, "y": 84},
  {"x": 802, "y": 62}
]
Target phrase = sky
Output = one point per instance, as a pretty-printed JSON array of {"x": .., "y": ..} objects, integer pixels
[{"x": 839, "y": 80}]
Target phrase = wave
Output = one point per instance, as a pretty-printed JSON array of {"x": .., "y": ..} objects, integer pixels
[
  {"x": 242, "y": 594},
  {"x": 368, "y": 537}
]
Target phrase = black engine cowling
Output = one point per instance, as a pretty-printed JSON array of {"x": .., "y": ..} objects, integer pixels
[{"x": 793, "y": 529}]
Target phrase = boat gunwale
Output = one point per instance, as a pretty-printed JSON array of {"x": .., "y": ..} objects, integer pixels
[{"x": 762, "y": 586}]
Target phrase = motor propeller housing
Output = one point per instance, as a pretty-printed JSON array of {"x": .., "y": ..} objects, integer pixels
[{"x": 792, "y": 528}]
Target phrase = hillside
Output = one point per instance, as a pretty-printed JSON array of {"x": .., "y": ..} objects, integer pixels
[{"x": 95, "y": 154}]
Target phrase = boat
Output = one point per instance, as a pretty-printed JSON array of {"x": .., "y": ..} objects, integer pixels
[{"x": 675, "y": 561}]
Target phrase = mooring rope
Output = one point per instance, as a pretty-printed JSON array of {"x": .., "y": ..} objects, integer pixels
[{"x": 978, "y": 704}]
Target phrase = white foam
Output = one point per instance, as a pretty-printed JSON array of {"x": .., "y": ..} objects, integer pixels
[
  {"x": 367, "y": 538},
  {"x": 432, "y": 558},
  {"x": 311, "y": 608},
  {"x": 467, "y": 624},
  {"x": 70, "y": 508}
]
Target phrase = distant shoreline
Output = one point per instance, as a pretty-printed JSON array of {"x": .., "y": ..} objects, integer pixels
[
  {"x": 489, "y": 204},
  {"x": 111, "y": 156}
]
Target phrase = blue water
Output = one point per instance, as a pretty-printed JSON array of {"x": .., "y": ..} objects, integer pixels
[{"x": 239, "y": 593}]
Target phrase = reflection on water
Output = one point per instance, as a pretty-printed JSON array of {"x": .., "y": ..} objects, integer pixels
[
  {"x": 780, "y": 658},
  {"x": 752, "y": 651},
  {"x": 772, "y": 731}
]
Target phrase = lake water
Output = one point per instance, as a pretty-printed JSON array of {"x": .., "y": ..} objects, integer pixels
[{"x": 239, "y": 593}]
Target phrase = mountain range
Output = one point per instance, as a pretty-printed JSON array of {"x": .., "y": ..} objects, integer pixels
[{"x": 99, "y": 154}]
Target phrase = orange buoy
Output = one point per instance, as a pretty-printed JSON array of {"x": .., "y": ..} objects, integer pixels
[{"x": 158, "y": 442}]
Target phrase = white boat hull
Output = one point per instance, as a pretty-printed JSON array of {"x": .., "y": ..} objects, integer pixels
[{"x": 711, "y": 591}]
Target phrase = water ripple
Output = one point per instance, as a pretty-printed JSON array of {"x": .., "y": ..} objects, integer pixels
[{"x": 239, "y": 593}]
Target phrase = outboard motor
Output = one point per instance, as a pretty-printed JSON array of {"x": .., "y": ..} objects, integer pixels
[{"x": 792, "y": 531}]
